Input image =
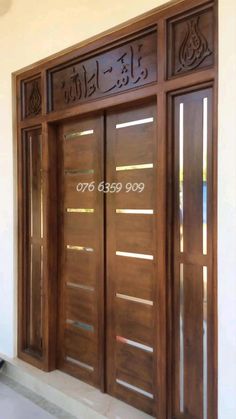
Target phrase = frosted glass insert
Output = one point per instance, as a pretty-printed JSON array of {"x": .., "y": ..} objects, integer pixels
[
  {"x": 135, "y": 167},
  {"x": 181, "y": 340},
  {"x": 137, "y": 122},
  {"x": 205, "y": 187},
  {"x": 135, "y": 255},
  {"x": 73, "y": 135},
  {"x": 204, "y": 342},
  {"x": 134, "y": 388},
  {"x": 181, "y": 175}
]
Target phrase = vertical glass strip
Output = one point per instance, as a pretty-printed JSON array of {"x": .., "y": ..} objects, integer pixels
[
  {"x": 41, "y": 185},
  {"x": 31, "y": 186},
  {"x": 205, "y": 127},
  {"x": 204, "y": 342},
  {"x": 181, "y": 174},
  {"x": 181, "y": 339},
  {"x": 41, "y": 295},
  {"x": 31, "y": 308}
]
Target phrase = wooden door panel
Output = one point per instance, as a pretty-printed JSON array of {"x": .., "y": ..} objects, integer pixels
[
  {"x": 134, "y": 321},
  {"x": 80, "y": 200},
  {"x": 130, "y": 371},
  {"x": 192, "y": 281},
  {"x": 80, "y": 225},
  {"x": 193, "y": 337},
  {"x": 138, "y": 145},
  {"x": 131, "y": 256},
  {"x": 134, "y": 395},
  {"x": 35, "y": 298},
  {"x": 80, "y": 268},
  {"x": 82, "y": 276},
  {"x": 135, "y": 271},
  {"x": 81, "y": 346},
  {"x": 79, "y": 153},
  {"x": 135, "y": 233},
  {"x": 143, "y": 200},
  {"x": 193, "y": 176},
  {"x": 80, "y": 305},
  {"x": 34, "y": 260}
]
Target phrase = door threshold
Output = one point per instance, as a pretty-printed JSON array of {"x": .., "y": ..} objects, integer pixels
[{"x": 76, "y": 397}]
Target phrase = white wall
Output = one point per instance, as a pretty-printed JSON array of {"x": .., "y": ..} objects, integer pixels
[{"x": 31, "y": 30}]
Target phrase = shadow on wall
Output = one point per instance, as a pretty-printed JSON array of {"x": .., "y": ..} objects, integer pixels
[{"x": 5, "y": 5}]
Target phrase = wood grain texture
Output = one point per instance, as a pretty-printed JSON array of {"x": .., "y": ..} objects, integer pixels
[
  {"x": 191, "y": 42},
  {"x": 192, "y": 303},
  {"x": 81, "y": 281},
  {"x": 131, "y": 320},
  {"x": 132, "y": 64},
  {"x": 31, "y": 91},
  {"x": 175, "y": 74}
]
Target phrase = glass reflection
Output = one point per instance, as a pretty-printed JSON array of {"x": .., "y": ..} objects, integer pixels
[
  {"x": 79, "y": 363},
  {"x": 137, "y": 122},
  {"x": 73, "y": 135},
  {"x": 181, "y": 338},
  {"x": 205, "y": 127},
  {"x": 181, "y": 174},
  {"x": 204, "y": 342},
  {"x": 134, "y": 388}
]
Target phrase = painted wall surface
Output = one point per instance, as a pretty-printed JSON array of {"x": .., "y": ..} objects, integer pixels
[{"x": 31, "y": 30}]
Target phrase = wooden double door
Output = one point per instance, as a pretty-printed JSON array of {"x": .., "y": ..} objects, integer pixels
[
  {"x": 114, "y": 317},
  {"x": 108, "y": 309}
]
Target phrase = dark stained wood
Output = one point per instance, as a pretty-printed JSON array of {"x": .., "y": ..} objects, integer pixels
[
  {"x": 135, "y": 233},
  {"x": 179, "y": 68},
  {"x": 129, "y": 371},
  {"x": 31, "y": 92},
  {"x": 33, "y": 264},
  {"x": 81, "y": 265},
  {"x": 191, "y": 42},
  {"x": 131, "y": 64},
  {"x": 190, "y": 284},
  {"x": 132, "y": 271}
]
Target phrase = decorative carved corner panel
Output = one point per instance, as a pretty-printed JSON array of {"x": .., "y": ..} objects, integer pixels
[
  {"x": 118, "y": 289},
  {"x": 191, "y": 43},
  {"x": 31, "y": 98},
  {"x": 132, "y": 64}
]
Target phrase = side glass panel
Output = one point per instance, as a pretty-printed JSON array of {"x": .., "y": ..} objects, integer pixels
[
  {"x": 34, "y": 234},
  {"x": 193, "y": 361}
]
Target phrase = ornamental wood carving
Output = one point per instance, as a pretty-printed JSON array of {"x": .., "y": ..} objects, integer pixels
[
  {"x": 71, "y": 110},
  {"x": 32, "y": 98},
  {"x": 130, "y": 65},
  {"x": 191, "y": 43},
  {"x": 194, "y": 48}
]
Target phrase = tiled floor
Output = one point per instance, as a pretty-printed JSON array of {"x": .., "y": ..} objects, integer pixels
[{"x": 16, "y": 402}]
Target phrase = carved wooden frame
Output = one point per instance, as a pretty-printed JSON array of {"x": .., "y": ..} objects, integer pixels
[{"x": 199, "y": 72}]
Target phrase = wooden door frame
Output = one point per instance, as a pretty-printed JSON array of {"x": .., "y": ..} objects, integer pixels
[{"x": 167, "y": 83}]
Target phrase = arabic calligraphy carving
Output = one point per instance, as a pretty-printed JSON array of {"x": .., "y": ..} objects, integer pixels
[
  {"x": 81, "y": 84},
  {"x": 119, "y": 69},
  {"x": 194, "y": 48},
  {"x": 34, "y": 102}
]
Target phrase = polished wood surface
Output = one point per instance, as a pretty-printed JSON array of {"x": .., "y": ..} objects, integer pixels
[
  {"x": 81, "y": 306},
  {"x": 132, "y": 322},
  {"x": 192, "y": 255},
  {"x": 34, "y": 238},
  {"x": 181, "y": 69},
  {"x": 130, "y": 65}
]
